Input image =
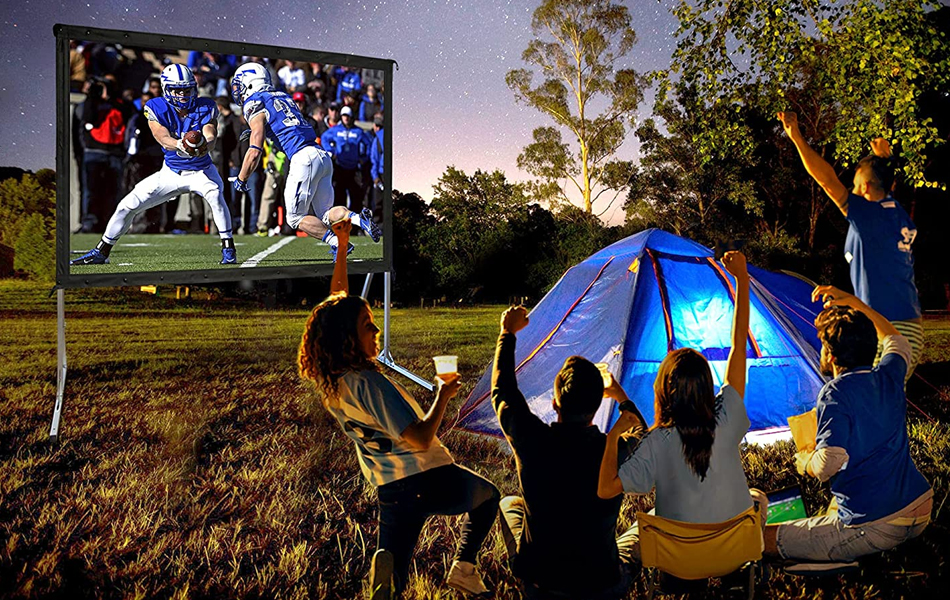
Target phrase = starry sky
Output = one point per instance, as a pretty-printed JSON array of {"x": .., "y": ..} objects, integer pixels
[{"x": 450, "y": 104}]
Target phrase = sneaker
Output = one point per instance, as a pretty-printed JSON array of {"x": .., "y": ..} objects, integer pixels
[
  {"x": 464, "y": 577},
  {"x": 261, "y": 232},
  {"x": 349, "y": 250},
  {"x": 228, "y": 256},
  {"x": 368, "y": 225},
  {"x": 381, "y": 576},
  {"x": 93, "y": 257}
]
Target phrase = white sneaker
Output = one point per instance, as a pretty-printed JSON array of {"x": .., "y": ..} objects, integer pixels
[
  {"x": 381, "y": 576},
  {"x": 464, "y": 577}
]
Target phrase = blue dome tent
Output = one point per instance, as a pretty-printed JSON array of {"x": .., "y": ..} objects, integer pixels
[{"x": 637, "y": 299}]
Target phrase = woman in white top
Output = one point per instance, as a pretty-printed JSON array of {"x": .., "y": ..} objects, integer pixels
[
  {"x": 691, "y": 454},
  {"x": 395, "y": 440}
]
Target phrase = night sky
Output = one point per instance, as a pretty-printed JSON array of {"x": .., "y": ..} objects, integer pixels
[{"x": 450, "y": 104}]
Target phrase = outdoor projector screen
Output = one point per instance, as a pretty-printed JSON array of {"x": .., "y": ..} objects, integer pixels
[{"x": 163, "y": 211}]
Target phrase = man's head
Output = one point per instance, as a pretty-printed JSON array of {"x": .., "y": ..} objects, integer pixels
[
  {"x": 224, "y": 104},
  {"x": 378, "y": 121},
  {"x": 346, "y": 114},
  {"x": 873, "y": 176},
  {"x": 371, "y": 91},
  {"x": 319, "y": 113},
  {"x": 848, "y": 339},
  {"x": 155, "y": 86},
  {"x": 578, "y": 391},
  {"x": 300, "y": 100}
]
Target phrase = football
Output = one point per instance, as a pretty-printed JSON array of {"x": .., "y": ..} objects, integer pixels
[{"x": 193, "y": 142}]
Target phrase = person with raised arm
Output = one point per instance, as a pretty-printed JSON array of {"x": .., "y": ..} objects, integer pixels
[
  {"x": 880, "y": 498},
  {"x": 691, "y": 453},
  {"x": 396, "y": 441}
]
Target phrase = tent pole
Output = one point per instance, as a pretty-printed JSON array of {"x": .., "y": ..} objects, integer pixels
[{"x": 60, "y": 363}]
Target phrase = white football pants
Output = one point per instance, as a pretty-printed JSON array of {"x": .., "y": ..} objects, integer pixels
[{"x": 309, "y": 182}]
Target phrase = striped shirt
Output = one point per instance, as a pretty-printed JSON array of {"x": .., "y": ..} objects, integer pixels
[{"x": 374, "y": 411}]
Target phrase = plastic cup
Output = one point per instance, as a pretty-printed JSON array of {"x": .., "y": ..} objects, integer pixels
[
  {"x": 446, "y": 365},
  {"x": 604, "y": 373}
]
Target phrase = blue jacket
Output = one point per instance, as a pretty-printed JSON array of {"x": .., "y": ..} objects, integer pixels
[
  {"x": 376, "y": 155},
  {"x": 349, "y": 147},
  {"x": 350, "y": 83}
]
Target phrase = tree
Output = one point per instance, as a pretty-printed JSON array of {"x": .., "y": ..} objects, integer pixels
[
  {"x": 853, "y": 71},
  {"x": 577, "y": 45}
]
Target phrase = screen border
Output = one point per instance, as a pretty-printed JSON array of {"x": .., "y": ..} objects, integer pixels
[{"x": 65, "y": 33}]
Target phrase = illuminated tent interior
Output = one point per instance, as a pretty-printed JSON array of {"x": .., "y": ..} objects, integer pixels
[{"x": 634, "y": 301}]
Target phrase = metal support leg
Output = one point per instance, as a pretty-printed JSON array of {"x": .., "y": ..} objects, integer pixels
[
  {"x": 366, "y": 284},
  {"x": 60, "y": 363},
  {"x": 384, "y": 356}
]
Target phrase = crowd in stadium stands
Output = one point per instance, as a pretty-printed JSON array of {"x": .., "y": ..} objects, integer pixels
[{"x": 113, "y": 148}]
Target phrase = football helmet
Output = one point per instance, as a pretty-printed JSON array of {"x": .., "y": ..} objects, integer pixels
[
  {"x": 249, "y": 78},
  {"x": 176, "y": 78}
]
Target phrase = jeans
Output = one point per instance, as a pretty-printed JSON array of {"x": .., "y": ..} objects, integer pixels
[{"x": 405, "y": 504}]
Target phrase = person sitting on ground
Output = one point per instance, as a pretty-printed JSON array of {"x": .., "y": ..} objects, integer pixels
[
  {"x": 880, "y": 498},
  {"x": 395, "y": 440},
  {"x": 880, "y": 235},
  {"x": 559, "y": 535},
  {"x": 691, "y": 454}
]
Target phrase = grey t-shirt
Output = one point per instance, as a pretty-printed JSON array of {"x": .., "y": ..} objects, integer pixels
[{"x": 680, "y": 495}]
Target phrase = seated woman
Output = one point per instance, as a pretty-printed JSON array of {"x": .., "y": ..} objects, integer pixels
[
  {"x": 691, "y": 454},
  {"x": 395, "y": 439}
]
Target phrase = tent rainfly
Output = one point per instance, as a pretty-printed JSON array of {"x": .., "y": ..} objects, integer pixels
[{"x": 631, "y": 303}]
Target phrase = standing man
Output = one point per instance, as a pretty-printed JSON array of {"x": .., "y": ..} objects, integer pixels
[
  {"x": 376, "y": 160},
  {"x": 349, "y": 146},
  {"x": 170, "y": 117},
  {"x": 880, "y": 235},
  {"x": 309, "y": 179}
]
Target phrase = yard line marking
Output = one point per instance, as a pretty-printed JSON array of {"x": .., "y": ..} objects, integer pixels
[{"x": 252, "y": 262}]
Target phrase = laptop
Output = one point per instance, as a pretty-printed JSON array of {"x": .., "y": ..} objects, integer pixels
[{"x": 786, "y": 505}]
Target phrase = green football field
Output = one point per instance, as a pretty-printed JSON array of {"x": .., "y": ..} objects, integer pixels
[{"x": 137, "y": 253}]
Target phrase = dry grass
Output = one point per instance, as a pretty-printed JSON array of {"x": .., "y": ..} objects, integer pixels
[{"x": 194, "y": 464}]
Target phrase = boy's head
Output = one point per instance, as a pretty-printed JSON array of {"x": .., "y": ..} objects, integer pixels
[
  {"x": 578, "y": 390},
  {"x": 848, "y": 339}
]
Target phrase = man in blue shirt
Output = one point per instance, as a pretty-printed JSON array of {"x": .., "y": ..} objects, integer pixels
[
  {"x": 178, "y": 111},
  {"x": 309, "y": 178},
  {"x": 349, "y": 145},
  {"x": 880, "y": 498},
  {"x": 880, "y": 235}
]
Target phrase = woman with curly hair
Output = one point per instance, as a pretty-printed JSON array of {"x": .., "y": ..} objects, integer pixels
[
  {"x": 396, "y": 443},
  {"x": 691, "y": 454}
]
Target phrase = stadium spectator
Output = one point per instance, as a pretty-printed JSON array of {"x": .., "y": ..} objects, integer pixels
[
  {"x": 255, "y": 184},
  {"x": 349, "y": 146},
  {"x": 349, "y": 83},
  {"x": 275, "y": 173},
  {"x": 103, "y": 126},
  {"x": 880, "y": 235},
  {"x": 77, "y": 67},
  {"x": 153, "y": 87},
  {"x": 144, "y": 156},
  {"x": 292, "y": 76},
  {"x": 880, "y": 498},
  {"x": 370, "y": 104},
  {"x": 560, "y": 536},
  {"x": 318, "y": 121},
  {"x": 691, "y": 454},
  {"x": 397, "y": 446},
  {"x": 316, "y": 77},
  {"x": 333, "y": 115},
  {"x": 207, "y": 86},
  {"x": 376, "y": 159},
  {"x": 227, "y": 159},
  {"x": 300, "y": 99}
]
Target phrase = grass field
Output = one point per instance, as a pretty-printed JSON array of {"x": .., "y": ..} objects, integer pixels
[
  {"x": 137, "y": 253},
  {"x": 194, "y": 463}
]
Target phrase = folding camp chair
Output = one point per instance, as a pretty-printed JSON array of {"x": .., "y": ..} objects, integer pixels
[{"x": 695, "y": 552}]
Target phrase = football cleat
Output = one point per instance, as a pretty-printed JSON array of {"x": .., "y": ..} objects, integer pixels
[
  {"x": 368, "y": 225},
  {"x": 349, "y": 250},
  {"x": 93, "y": 257},
  {"x": 179, "y": 87},
  {"x": 228, "y": 256}
]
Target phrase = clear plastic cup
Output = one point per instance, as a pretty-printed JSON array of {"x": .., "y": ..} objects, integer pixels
[{"x": 446, "y": 365}]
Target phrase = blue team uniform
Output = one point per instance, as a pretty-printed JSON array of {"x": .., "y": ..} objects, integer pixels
[
  {"x": 878, "y": 248},
  {"x": 205, "y": 112},
  {"x": 284, "y": 124},
  {"x": 349, "y": 147}
]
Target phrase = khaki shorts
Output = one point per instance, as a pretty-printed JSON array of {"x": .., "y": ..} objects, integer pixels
[{"x": 827, "y": 539}]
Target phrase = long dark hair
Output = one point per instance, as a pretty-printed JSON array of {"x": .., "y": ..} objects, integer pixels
[
  {"x": 330, "y": 344},
  {"x": 684, "y": 399}
]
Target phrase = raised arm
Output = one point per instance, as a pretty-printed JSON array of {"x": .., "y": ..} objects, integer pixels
[
  {"x": 340, "y": 282},
  {"x": 820, "y": 170},
  {"x": 608, "y": 482},
  {"x": 832, "y": 296},
  {"x": 734, "y": 263}
]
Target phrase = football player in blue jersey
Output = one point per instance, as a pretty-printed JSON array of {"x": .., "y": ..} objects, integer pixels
[
  {"x": 310, "y": 177},
  {"x": 178, "y": 111}
]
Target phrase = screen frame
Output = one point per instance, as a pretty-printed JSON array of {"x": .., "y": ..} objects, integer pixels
[{"x": 65, "y": 33}]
